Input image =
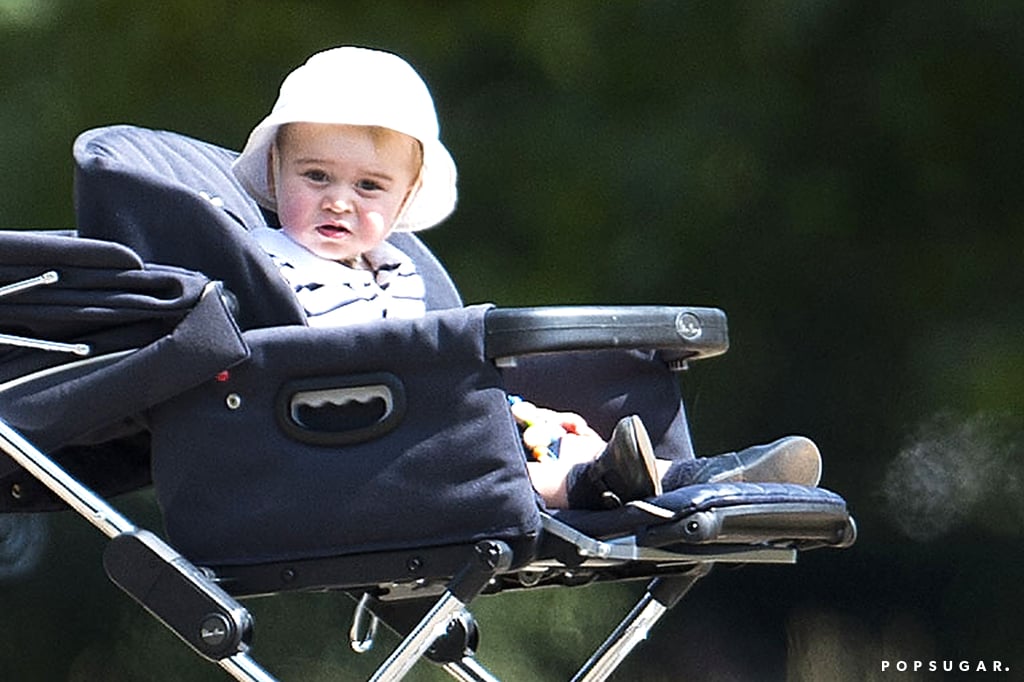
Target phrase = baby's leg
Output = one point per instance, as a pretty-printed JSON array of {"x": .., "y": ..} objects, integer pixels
[{"x": 550, "y": 480}]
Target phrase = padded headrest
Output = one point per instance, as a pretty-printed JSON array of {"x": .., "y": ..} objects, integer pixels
[{"x": 192, "y": 165}]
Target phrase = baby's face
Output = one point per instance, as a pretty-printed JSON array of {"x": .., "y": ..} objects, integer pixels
[{"x": 340, "y": 188}]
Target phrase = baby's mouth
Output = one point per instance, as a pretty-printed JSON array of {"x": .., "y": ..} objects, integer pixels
[{"x": 333, "y": 231}]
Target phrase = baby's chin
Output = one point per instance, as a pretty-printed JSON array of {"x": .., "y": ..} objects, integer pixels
[
  {"x": 341, "y": 249},
  {"x": 343, "y": 256}
]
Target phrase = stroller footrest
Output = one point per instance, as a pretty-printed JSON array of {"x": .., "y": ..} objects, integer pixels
[
  {"x": 726, "y": 513},
  {"x": 178, "y": 594}
]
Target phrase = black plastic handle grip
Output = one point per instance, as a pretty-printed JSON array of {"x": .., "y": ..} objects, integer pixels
[{"x": 681, "y": 333}]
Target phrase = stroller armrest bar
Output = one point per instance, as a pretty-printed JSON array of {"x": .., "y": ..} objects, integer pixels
[{"x": 680, "y": 333}]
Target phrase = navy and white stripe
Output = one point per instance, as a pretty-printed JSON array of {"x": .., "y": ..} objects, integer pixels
[{"x": 334, "y": 294}]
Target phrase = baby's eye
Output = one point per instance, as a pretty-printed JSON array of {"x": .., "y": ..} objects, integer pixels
[
  {"x": 369, "y": 185},
  {"x": 316, "y": 175}
]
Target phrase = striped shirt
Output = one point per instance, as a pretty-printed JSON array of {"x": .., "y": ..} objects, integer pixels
[{"x": 334, "y": 294}]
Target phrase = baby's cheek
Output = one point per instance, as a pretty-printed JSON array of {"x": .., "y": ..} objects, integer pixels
[
  {"x": 375, "y": 220},
  {"x": 288, "y": 218}
]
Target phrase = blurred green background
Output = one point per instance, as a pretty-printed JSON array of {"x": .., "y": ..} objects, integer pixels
[{"x": 841, "y": 177}]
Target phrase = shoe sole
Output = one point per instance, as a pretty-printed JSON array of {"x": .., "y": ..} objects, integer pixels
[
  {"x": 646, "y": 450},
  {"x": 796, "y": 461}
]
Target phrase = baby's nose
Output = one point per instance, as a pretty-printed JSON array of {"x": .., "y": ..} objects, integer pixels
[{"x": 339, "y": 202}]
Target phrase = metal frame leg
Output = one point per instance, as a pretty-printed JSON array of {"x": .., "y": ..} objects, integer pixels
[
  {"x": 415, "y": 645},
  {"x": 662, "y": 594},
  {"x": 244, "y": 669},
  {"x": 89, "y": 505},
  {"x": 469, "y": 670},
  {"x": 463, "y": 640},
  {"x": 123, "y": 533},
  {"x": 490, "y": 557}
]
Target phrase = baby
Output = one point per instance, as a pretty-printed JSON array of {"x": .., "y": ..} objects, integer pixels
[{"x": 351, "y": 153}]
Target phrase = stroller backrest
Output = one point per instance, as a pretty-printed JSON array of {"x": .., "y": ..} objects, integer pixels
[{"x": 174, "y": 200}]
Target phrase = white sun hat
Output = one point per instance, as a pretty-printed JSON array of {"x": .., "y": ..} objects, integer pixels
[{"x": 358, "y": 86}]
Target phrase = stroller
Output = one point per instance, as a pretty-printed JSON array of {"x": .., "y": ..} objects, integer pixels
[{"x": 378, "y": 460}]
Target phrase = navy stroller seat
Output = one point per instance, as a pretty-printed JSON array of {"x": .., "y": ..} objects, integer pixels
[{"x": 380, "y": 459}]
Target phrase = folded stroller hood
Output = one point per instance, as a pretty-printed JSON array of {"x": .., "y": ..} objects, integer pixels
[
  {"x": 150, "y": 333},
  {"x": 101, "y": 293}
]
